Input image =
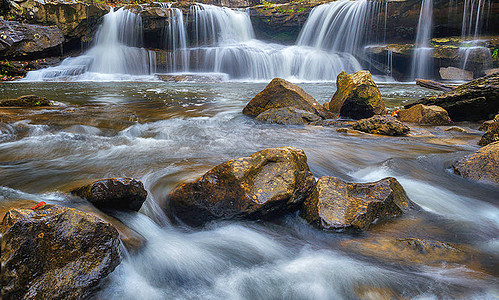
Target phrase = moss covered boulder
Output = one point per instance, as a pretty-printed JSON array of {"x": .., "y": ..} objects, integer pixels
[
  {"x": 263, "y": 185},
  {"x": 482, "y": 165},
  {"x": 26, "y": 101},
  {"x": 280, "y": 93},
  {"x": 425, "y": 115},
  {"x": 384, "y": 125},
  {"x": 335, "y": 204},
  {"x": 114, "y": 194},
  {"x": 54, "y": 252},
  {"x": 357, "y": 96}
]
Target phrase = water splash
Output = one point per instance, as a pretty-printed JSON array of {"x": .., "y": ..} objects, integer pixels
[{"x": 422, "y": 61}]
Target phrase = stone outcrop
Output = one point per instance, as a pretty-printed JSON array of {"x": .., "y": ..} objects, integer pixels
[
  {"x": 26, "y": 101},
  {"x": 263, "y": 185},
  {"x": 287, "y": 116},
  {"x": 27, "y": 41},
  {"x": 485, "y": 125},
  {"x": 280, "y": 93},
  {"x": 54, "y": 252},
  {"x": 453, "y": 73},
  {"x": 491, "y": 135},
  {"x": 114, "y": 194},
  {"x": 384, "y": 125},
  {"x": 482, "y": 165},
  {"x": 472, "y": 101},
  {"x": 336, "y": 205},
  {"x": 422, "y": 114},
  {"x": 357, "y": 96}
]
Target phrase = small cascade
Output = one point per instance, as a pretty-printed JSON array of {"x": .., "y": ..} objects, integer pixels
[
  {"x": 471, "y": 46},
  {"x": 176, "y": 40},
  {"x": 116, "y": 51},
  {"x": 422, "y": 61}
]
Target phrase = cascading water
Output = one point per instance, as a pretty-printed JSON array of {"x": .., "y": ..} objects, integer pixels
[
  {"x": 115, "y": 52},
  {"x": 176, "y": 40},
  {"x": 422, "y": 61}
]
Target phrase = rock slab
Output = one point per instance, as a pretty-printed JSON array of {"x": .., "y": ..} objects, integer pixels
[
  {"x": 288, "y": 116},
  {"x": 384, "y": 125},
  {"x": 335, "y": 204},
  {"x": 263, "y": 185},
  {"x": 55, "y": 252}
]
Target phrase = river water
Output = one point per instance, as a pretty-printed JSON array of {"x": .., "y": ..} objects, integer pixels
[{"x": 166, "y": 133}]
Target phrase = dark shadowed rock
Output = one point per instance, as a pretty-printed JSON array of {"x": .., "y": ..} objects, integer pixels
[
  {"x": 288, "y": 116},
  {"x": 114, "y": 193},
  {"x": 280, "y": 93},
  {"x": 384, "y": 125},
  {"x": 485, "y": 125},
  {"x": 423, "y": 114},
  {"x": 26, "y": 101},
  {"x": 264, "y": 185},
  {"x": 482, "y": 165},
  {"x": 357, "y": 96},
  {"x": 472, "y": 101},
  {"x": 335, "y": 204},
  {"x": 55, "y": 252}
]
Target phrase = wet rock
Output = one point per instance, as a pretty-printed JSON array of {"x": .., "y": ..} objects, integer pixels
[
  {"x": 26, "y": 101},
  {"x": 457, "y": 129},
  {"x": 384, "y": 125},
  {"x": 191, "y": 78},
  {"x": 453, "y": 73},
  {"x": 473, "y": 101},
  {"x": 422, "y": 114},
  {"x": 356, "y": 97},
  {"x": 336, "y": 205},
  {"x": 26, "y": 40},
  {"x": 55, "y": 252},
  {"x": 264, "y": 185},
  {"x": 114, "y": 194},
  {"x": 280, "y": 93},
  {"x": 287, "y": 116},
  {"x": 482, "y": 165},
  {"x": 485, "y": 125},
  {"x": 491, "y": 135}
]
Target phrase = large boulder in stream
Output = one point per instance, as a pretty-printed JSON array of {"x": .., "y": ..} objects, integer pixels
[
  {"x": 335, "y": 204},
  {"x": 54, "y": 252},
  {"x": 114, "y": 194},
  {"x": 423, "y": 114},
  {"x": 384, "y": 125},
  {"x": 472, "y": 101},
  {"x": 280, "y": 93},
  {"x": 263, "y": 185},
  {"x": 357, "y": 96},
  {"x": 288, "y": 116},
  {"x": 482, "y": 165}
]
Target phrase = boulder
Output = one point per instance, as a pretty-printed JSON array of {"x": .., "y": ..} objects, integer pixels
[
  {"x": 422, "y": 114},
  {"x": 55, "y": 252},
  {"x": 482, "y": 165},
  {"x": 336, "y": 205},
  {"x": 114, "y": 194},
  {"x": 26, "y": 40},
  {"x": 357, "y": 96},
  {"x": 26, "y": 101},
  {"x": 491, "y": 135},
  {"x": 473, "y": 101},
  {"x": 453, "y": 73},
  {"x": 287, "y": 116},
  {"x": 485, "y": 125},
  {"x": 280, "y": 93},
  {"x": 263, "y": 185},
  {"x": 384, "y": 125}
]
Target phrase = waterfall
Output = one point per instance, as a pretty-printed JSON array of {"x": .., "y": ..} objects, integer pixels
[
  {"x": 115, "y": 51},
  {"x": 422, "y": 61},
  {"x": 176, "y": 40}
]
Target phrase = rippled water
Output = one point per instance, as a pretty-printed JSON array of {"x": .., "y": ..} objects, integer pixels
[{"x": 165, "y": 133}]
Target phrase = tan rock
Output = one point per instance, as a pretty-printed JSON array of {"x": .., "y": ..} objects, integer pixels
[
  {"x": 453, "y": 73},
  {"x": 423, "y": 114},
  {"x": 482, "y": 165},
  {"x": 384, "y": 125}
]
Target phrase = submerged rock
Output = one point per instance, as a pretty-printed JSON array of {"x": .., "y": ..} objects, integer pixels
[
  {"x": 473, "y": 101},
  {"x": 26, "y": 101},
  {"x": 263, "y": 185},
  {"x": 287, "y": 116},
  {"x": 423, "y": 114},
  {"x": 114, "y": 193},
  {"x": 55, "y": 252},
  {"x": 335, "y": 204},
  {"x": 482, "y": 165},
  {"x": 384, "y": 125},
  {"x": 357, "y": 96},
  {"x": 280, "y": 93}
]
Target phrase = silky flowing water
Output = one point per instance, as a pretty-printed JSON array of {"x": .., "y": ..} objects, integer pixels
[{"x": 167, "y": 133}]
